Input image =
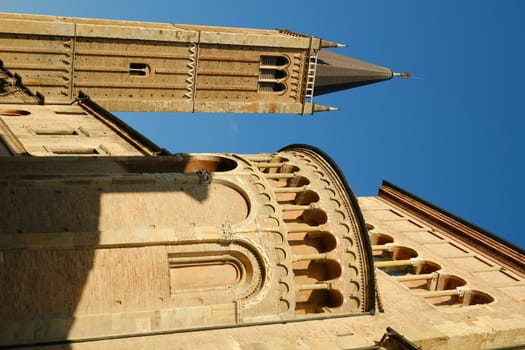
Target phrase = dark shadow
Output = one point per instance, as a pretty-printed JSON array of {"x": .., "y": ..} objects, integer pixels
[
  {"x": 56, "y": 202},
  {"x": 313, "y": 242}
]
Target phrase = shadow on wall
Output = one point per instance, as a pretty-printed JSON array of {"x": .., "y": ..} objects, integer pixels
[{"x": 55, "y": 212}]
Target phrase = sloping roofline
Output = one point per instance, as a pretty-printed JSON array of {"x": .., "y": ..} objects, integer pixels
[
  {"x": 135, "y": 138},
  {"x": 505, "y": 252}
]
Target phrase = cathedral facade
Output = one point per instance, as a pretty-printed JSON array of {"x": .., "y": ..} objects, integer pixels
[{"x": 108, "y": 240}]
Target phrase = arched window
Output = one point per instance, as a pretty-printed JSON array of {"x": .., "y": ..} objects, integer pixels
[
  {"x": 265, "y": 86},
  {"x": 272, "y": 73},
  {"x": 275, "y": 61},
  {"x": 139, "y": 69},
  {"x": 275, "y": 74}
]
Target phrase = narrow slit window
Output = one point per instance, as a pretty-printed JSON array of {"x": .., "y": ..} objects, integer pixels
[
  {"x": 71, "y": 113},
  {"x": 13, "y": 112},
  {"x": 56, "y": 132},
  {"x": 415, "y": 223},
  {"x": 396, "y": 213},
  {"x": 74, "y": 151}
]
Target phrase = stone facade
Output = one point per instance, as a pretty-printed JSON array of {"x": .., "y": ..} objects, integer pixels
[
  {"x": 208, "y": 240},
  {"x": 109, "y": 241}
]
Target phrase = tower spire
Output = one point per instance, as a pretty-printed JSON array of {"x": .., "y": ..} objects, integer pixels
[
  {"x": 337, "y": 72},
  {"x": 141, "y": 66}
]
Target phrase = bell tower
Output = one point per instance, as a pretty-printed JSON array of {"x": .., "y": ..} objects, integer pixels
[{"x": 161, "y": 67}]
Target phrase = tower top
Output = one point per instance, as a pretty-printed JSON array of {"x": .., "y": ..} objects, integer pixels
[
  {"x": 165, "y": 67},
  {"x": 337, "y": 72}
]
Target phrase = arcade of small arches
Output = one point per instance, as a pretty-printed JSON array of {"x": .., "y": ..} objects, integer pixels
[
  {"x": 325, "y": 259},
  {"x": 318, "y": 270},
  {"x": 422, "y": 277},
  {"x": 272, "y": 73}
]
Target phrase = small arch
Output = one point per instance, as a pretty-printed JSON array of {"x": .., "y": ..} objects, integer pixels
[
  {"x": 314, "y": 271},
  {"x": 312, "y": 242},
  {"x": 424, "y": 267},
  {"x": 403, "y": 253},
  {"x": 297, "y": 181},
  {"x": 278, "y": 159},
  {"x": 327, "y": 298},
  {"x": 324, "y": 241},
  {"x": 447, "y": 282},
  {"x": 274, "y": 61},
  {"x": 397, "y": 253},
  {"x": 314, "y": 217},
  {"x": 317, "y": 301},
  {"x": 272, "y": 74},
  {"x": 282, "y": 169},
  {"x": 380, "y": 239},
  {"x": 306, "y": 197},
  {"x": 218, "y": 273},
  {"x": 444, "y": 300},
  {"x": 288, "y": 169},
  {"x": 476, "y": 297},
  {"x": 139, "y": 69},
  {"x": 369, "y": 227},
  {"x": 271, "y": 87},
  {"x": 324, "y": 270}
]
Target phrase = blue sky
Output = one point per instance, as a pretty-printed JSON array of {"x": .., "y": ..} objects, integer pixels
[{"x": 453, "y": 134}]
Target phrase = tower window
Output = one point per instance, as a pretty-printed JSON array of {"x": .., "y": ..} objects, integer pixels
[
  {"x": 272, "y": 73},
  {"x": 139, "y": 69},
  {"x": 265, "y": 73},
  {"x": 274, "y": 61},
  {"x": 271, "y": 87}
]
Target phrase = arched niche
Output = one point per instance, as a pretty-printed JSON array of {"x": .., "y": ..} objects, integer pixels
[
  {"x": 214, "y": 271},
  {"x": 312, "y": 242},
  {"x": 313, "y": 271},
  {"x": 476, "y": 297},
  {"x": 380, "y": 238},
  {"x": 318, "y": 301}
]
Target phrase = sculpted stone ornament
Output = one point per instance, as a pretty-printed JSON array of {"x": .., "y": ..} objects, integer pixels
[{"x": 204, "y": 176}]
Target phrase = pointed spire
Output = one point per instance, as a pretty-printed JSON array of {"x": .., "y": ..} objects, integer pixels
[
  {"x": 321, "y": 108},
  {"x": 335, "y": 72},
  {"x": 326, "y": 43}
]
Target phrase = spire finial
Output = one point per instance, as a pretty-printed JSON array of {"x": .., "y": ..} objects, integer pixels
[
  {"x": 320, "y": 108},
  {"x": 404, "y": 75},
  {"x": 326, "y": 44}
]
